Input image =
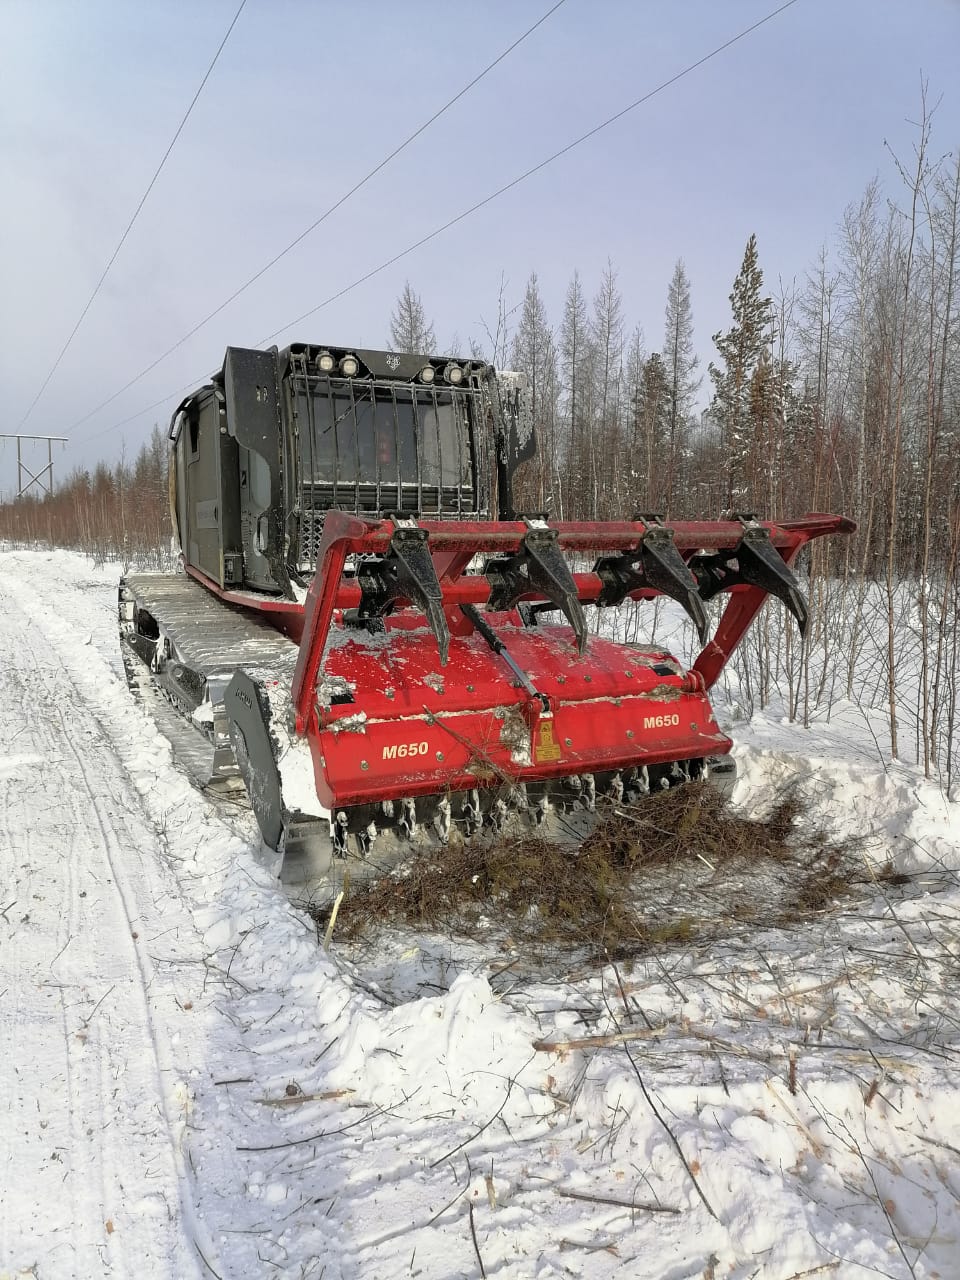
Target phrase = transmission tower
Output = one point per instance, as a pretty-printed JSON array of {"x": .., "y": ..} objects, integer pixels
[{"x": 43, "y": 479}]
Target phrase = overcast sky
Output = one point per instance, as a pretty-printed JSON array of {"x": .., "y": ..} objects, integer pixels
[{"x": 776, "y": 135}]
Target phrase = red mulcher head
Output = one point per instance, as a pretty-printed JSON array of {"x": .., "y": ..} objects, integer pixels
[{"x": 492, "y": 711}]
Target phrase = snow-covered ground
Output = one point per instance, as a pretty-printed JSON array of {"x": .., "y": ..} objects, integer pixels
[{"x": 190, "y": 1086}]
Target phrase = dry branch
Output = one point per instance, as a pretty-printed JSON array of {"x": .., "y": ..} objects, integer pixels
[
  {"x": 620, "y": 1204},
  {"x": 295, "y": 1099}
]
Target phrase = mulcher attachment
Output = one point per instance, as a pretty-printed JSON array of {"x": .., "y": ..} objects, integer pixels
[{"x": 434, "y": 700}]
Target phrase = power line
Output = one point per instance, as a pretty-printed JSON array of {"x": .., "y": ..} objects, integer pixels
[
  {"x": 508, "y": 186},
  {"x": 432, "y": 235},
  {"x": 136, "y": 214},
  {"x": 323, "y": 217}
]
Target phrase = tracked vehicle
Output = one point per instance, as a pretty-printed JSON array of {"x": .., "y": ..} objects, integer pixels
[{"x": 372, "y": 641}]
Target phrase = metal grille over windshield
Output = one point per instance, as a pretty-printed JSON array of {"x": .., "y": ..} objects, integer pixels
[{"x": 375, "y": 447}]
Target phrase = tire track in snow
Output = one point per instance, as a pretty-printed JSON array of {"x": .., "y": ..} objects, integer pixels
[
  {"x": 92, "y": 1045},
  {"x": 87, "y": 1056}
]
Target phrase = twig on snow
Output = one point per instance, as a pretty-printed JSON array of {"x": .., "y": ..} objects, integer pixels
[
  {"x": 674, "y": 1140},
  {"x": 60, "y": 952},
  {"x": 294, "y": 1100},
  {"x": 476, "y": 1246},
  {"x": 816, "y": 1146},
  {"x": 880, "y": 1198},
  {"x": 215, "y": 1274},
  {"x": 598, "y": 1042},
  {"x": 315, "y": 1137},
  {"x": 486, "y": 1124},
  {"x": 620, "y": 1204},
  {"x": 89, "y": 1018}
]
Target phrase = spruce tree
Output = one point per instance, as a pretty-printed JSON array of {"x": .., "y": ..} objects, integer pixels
[
  {"x": 654, "y": 404},
  {"x": 574, "y": 363},
  {"x": 683, "y": 381},
  {"x": 604, "y": 440},
  {"x": 409, "y": 330},
  {"x": 534, "y": 353},
  {"x": 741, "y": 349}
]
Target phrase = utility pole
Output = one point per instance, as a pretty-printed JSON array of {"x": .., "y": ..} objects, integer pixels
[{"x": 45, "y": 485}]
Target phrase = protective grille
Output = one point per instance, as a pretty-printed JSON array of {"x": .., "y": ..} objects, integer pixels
[{"x": 374, "y": 447}]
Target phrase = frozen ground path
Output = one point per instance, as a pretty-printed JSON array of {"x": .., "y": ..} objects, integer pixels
[{"x": 92, "y": 1101}]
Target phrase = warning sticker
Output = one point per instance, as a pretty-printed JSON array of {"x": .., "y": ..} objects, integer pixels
[{"x": 545, "y": 747}]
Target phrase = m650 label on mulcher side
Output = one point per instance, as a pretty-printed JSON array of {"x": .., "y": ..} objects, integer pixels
[
  {"x": 400, "y": 751},
  {"x": 660, "y": 722}
]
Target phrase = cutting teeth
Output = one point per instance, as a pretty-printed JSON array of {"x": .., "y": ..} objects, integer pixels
[
  {"x": 499, "y": 813},
  {"x": 589, "y": 797},
  {"x": 441, "y": 820},
  {"x": 365, "y": 839},
  {"x": 471, "y": 814},
  {"x": 637, "y": 785},
  {"x": 407, "y": 821},
  {"x": 519, "y": 799},
  {"x": 338, "y": 834},
  {"x": 429, "y": 821}
]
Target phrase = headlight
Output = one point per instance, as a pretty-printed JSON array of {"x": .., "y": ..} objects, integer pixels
[
  {"x": 427, "y": 373},
  {"x": 349, "y": 366},
  {"x": 325, "y": 362},
  {"x": 454, "y": 374}
]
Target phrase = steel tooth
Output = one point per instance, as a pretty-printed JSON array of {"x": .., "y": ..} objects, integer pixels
[
  {"x": 441, "y": 819},
  {"x": 386, "y": 808},
  {"x": 615, "y": 789},
  {"x": 499, "y": 812},
  {"x": 637, "y": 784},
  {"x": 365, "y": 839},
  {"x": 541, "y": 811},
  {"x": 665, "y": 569},
  {"x": 762, "y": 565},
  {"x": 338, "y": 834},
  {"x": 470, "y": 812},
  {"x": 407, "y": 822},
  {"x": 589, "y": 797},
  {"x": 519, "y": 798}
]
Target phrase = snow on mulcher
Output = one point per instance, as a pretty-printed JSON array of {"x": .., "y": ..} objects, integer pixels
[{"x": 362, "y": 630}]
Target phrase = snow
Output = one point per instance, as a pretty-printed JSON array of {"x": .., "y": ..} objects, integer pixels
[{"x": 190, "y": 1086}]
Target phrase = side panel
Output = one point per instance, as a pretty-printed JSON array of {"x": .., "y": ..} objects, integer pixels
[
  {"x": 204, "y": 490},
  {"x": 254, "y": 425},
  {"x": 200, "y": 531}
]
